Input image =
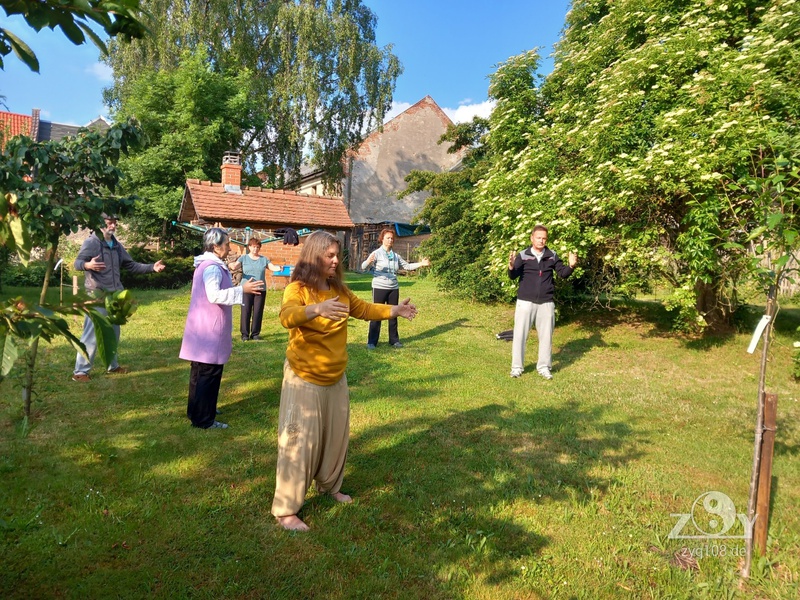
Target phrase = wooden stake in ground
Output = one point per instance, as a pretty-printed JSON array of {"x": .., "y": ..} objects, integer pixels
[
  {"x": 765, "y": 473},
  {"x": 759, "y": 433}
]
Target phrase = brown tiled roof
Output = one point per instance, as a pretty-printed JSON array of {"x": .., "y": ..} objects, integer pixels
[
  {"x": 14, "y": 124},
  {"x": 259, "y": 207}
]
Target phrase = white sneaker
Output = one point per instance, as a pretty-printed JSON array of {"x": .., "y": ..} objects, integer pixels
[
  {"x": 516, "y": 373},
  {"x": 545, "y": 373}
]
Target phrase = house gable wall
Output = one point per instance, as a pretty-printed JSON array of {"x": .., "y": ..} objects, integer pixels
[{"x": 379, "y": 166}]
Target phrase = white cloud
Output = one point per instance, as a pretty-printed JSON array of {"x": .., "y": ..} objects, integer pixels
[
  {"x": 101, "y": 72},
  {"x": 396, "y": 109},
  {"x": 465, "y": 112}
]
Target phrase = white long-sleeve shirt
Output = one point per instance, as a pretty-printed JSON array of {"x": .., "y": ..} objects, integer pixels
[{"x": 212, "y": 280}]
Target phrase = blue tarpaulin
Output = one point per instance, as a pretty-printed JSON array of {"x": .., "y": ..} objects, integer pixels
[{"x": 406, "y": 229}]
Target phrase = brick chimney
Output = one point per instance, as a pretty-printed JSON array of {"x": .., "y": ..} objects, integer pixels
[{"x": 232, "y": 172}]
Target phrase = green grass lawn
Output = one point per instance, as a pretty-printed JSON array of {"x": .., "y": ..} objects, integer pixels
[{"x": 467, "y": 483}]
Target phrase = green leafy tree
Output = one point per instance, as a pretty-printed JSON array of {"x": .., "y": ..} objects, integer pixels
[
  {"x": 116, "y": 17},
  {"x": 461, "y": 221},
  {"x": 318, "y": 77},
  {"x": 191, "y": 115},
  {"x": 51, "y": 189},
  {"x": 640, "y": 149}
]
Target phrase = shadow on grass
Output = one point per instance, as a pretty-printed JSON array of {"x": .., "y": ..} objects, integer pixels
[
  {"x": 573, "y": 350},
  {"x": 436, "y": 331},
  {"x": 362, "y": 283},
  {"x": 659, "y": 321},
  {"x": 787, "y": 436},
  {"x": 425, "y": 387},
  {"x": 454, "y": 476}
]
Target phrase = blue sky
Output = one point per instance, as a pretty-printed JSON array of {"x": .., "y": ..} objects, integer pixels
[{"x": 447, "y": 47}]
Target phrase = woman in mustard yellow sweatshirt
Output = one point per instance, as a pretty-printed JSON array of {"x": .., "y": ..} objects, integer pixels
[{"x": 314, "y": 421}]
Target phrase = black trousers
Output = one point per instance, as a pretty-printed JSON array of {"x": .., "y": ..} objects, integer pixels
[
  {"x": 252, "y": 306},
  {"x": 384, "y": 297},
  {"x": 204, "y": 380}
]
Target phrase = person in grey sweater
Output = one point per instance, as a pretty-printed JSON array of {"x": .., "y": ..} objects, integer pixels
[
  {"x": 103, "y": 258},
  {"x": 384, "y": 264}
]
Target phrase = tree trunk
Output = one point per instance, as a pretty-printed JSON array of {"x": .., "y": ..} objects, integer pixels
[
  {"x": 716, "y": 313},
  {"x": 30, "y": 362}
]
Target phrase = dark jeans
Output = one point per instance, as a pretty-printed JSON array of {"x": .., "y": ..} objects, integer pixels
[
  {"x": 384, "y": 297},
  {"x": 252, "y": 306},
  {"x": 204, "y": 380}
]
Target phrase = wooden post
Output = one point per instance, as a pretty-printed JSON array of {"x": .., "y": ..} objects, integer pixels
[
  {"x": 765, "y": 473},
  {"x": 74, "y": 285},
  {"x": 759, "y": 432}
]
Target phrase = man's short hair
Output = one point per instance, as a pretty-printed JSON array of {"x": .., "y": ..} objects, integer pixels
[{"x": 539, "y": 228}]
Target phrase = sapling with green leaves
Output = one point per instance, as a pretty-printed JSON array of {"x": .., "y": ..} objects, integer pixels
[{"x": 53, "y": 188}]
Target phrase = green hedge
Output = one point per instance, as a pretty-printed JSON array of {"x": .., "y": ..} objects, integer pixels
[
  {"x": 178, "y": 273},
  {"x": 14, "y": 274}
]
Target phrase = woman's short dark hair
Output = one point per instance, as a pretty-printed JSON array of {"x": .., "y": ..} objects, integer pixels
[
  {"x": 254, "y": 242},
  {"x": 216, "y": 236},
  {"x": 383, "y": 233}
]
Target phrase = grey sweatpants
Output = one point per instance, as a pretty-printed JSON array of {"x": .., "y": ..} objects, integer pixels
[{"x": 525, "y": 316}]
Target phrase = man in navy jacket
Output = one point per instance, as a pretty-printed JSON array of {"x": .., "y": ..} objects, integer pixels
[{"x": 534, "y": 267}]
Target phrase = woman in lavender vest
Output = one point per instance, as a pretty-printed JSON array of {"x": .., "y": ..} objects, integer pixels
[{"x": 209, "y": 325}]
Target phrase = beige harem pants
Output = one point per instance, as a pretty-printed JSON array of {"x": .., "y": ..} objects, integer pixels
[{"x": 313, "y": 434}]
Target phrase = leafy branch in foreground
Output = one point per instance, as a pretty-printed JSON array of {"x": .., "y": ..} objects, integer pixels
[
  {"x": 21, "y": 324},
  {"x": 116, "y": 17}
]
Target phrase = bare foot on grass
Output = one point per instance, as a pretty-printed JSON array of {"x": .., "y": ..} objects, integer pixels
[
  {"x": 340, "y": 497},
  {"x": 292, "y": 523}
]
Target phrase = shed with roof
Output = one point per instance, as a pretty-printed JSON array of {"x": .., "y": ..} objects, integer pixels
[{"x": 256, "y": 212}]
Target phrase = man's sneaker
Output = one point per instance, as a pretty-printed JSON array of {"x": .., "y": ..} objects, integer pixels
[
  {"x": 119, "y": 371},
  {"x": 255, "y": 337},
  {"x": 218, "y": 425},
  {"x": 545, "y": 373},
  {"x": 397, "y": 345},
  {"x": 516, "y": 373},
  {"x": 245, "y": 338},
  {"x": 370, "y": 346},
  {"x": 81, "y": 377}
]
